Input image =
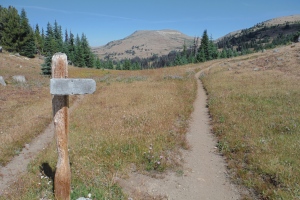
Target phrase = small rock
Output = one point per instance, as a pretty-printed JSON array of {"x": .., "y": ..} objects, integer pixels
[
  {"x": 275, "y": 50},
  {"x": 2, "y": 82},
  {"x": 19, "y": 78},
  {"x": 27, "y": 146},
  {"x": 83, "y": 198},
  {"x": 279, "y": 58},
  {"x": 256, "y": 69},
  {"x": 133, "y": 167}
]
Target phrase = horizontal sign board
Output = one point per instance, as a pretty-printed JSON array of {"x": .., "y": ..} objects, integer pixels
[{"x": 67, "y": 86}]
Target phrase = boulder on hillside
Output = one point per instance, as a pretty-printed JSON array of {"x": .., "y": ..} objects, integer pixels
[
  {"x": 19, "y": 79},
  {"x": 298, "y": 38},
  {"x": 0, "y": 49},
  {"x": 2, "y": 82}
]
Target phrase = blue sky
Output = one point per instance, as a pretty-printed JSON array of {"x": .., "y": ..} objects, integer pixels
[{"x": 105, "y": 20}]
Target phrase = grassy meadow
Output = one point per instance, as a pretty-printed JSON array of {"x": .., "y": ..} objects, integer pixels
[
  {"x": 135, "y": 120},
  {"x": 254, "y": 104}
]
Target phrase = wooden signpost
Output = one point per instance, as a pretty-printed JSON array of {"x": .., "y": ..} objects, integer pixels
[{"x": 61, "y": 87}]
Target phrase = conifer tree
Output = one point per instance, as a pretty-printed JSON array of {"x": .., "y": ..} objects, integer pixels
[
  {"x": 86, "y": 50},
  {"x": 71, "y": 47},
  {"x": 26, "y": 42},
  {"x": 39, "y": 43},
  {"x": 66, "y": 45},
  {"x": 204, "y": 46},
  {"x": 29, "y": 48},
  {"x": 3, "y": 13},
  {"x": 49, "y": 44},
  {"x": 126, "y": 64},
  {"x": 57, "y": 33},
  {"x": 98, "y": 63},
  {"x": 10, "y": 33},
  {"x": 46, "y": 66},
  {"x": 213, "y": 50},
  {"x": 223, "y": 54},
  {"x": 79, "y": 56},
  {"x": 201, "y": 55}
]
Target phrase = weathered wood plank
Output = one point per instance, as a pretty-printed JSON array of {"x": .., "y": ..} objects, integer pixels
[{"x": 72, "y": 86}]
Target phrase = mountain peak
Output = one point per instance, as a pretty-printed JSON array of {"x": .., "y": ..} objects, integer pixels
[{"x": 144, "y": 43}]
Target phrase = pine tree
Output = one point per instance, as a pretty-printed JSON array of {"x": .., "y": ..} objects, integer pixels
[
  {"x": 46, "y": 66},
  {"x": 57, "y": 33},
  {"x": 213, "y": 50},
  {"x": 29, "y": 48},
  {"x": 126, "y": 64},
  {"x": 3, "y": 13},
  {"x": 10, "y": 33},
  {"x": 204, "y": 46},
  {"x": 79, "y": 56},
  {"x": 223, "y": 54},
  {"x": 49, "y": 44},
  {"x": 71, "y": 47},
  {"x": 86, "y": 50},
  {"x": 98, "y": 63},
  {"x": 201, "y": 55},
  {"x": 66, "y": 45},
  {"x": 26, "y": 42},
  {"x": 39, "y": 43},
  {"x": 118, "y": 66}
]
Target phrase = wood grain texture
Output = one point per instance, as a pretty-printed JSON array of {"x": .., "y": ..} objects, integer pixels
[{"x": 60, "y": 104}]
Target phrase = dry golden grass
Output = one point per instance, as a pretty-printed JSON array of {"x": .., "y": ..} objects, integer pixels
[
  {"x": 134, "y": 119},
  {"x": 254, "y": 104}
]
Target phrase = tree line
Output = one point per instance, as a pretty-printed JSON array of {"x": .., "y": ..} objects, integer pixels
[
  {"x": 16, "y": 35},
  {"x": 199, "y": 52}
]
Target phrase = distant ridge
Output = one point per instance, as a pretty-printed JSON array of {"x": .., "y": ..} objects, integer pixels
[{"x": 268, "y": 23}]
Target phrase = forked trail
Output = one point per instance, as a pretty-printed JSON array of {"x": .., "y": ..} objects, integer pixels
[{"x": 204, "y": 171}]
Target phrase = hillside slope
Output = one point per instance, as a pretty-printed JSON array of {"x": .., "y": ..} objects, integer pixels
[
  {"x": 262, "y": 33},
  {"x": 144, "y": 44}
]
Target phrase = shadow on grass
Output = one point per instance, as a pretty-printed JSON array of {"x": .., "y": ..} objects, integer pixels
[{"x": 48, "y": 171}]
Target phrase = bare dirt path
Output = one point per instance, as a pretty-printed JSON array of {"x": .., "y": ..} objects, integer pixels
[
  {"x": 18, "y": 165},
  {"x": 204, "y": 171}
]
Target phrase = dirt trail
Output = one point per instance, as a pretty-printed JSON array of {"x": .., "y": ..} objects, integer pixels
[
  {"x": 18, "y": 165},
  {"x": 204, "y": 171}
]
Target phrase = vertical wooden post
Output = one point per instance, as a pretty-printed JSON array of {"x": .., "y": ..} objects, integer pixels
[{"x": 60, "y": 105}]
